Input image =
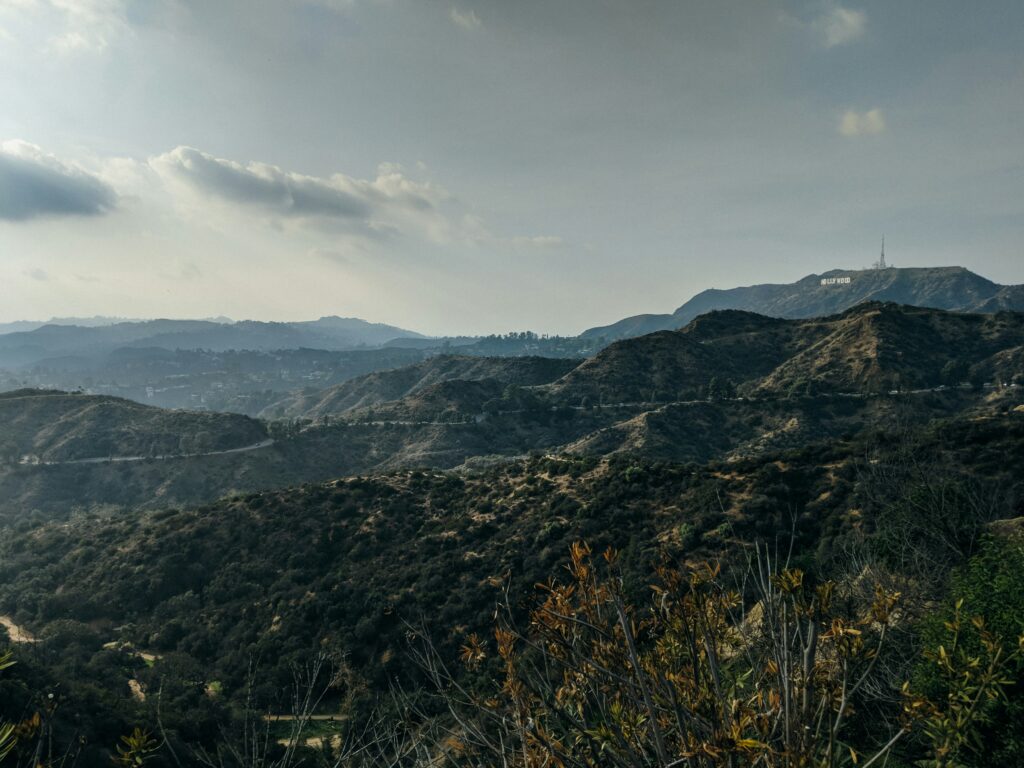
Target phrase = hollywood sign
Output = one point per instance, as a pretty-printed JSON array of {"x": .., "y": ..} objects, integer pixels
[{"x": 836, "y": 280}]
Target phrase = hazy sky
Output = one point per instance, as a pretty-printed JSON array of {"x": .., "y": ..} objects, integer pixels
[{"x": 484, "y": 165}]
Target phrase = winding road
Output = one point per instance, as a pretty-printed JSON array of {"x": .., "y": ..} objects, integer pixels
[{"x": 104, "y": 459}]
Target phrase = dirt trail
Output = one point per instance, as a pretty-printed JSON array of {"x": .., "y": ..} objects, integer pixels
[{"x": 16, "y": 633}]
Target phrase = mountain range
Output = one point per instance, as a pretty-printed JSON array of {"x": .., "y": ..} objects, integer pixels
[
  {"x": 165, "y": 567},
  {"x": 274, "y": 368},
  {"x": 952, "y": 288},
  {"x": 871, "y": 348},
  {"x": 26, "y": 348},
  {"x": 730, "y": 384}
]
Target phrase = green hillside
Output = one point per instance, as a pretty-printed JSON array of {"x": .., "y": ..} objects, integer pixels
[
  {"x": 41, "y": 426},
  {"x": 871, "y": 348},
  {"x": 730, "y": 385},
  {"x": 342, "y": 566},
  {"x": 385, "y": 386}
]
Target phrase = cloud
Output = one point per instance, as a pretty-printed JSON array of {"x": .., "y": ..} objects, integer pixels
[
  {"x": 356, "y": 216},
  {"x": 74, "y": 26},
  {"x": 839, "y": 26},
  {"x": 834, "y": 24},
  {"x": 38, "y": 274},
  {"x": 390, "y": 205},
  {"x": 34, "y": 184},
  {"x": 91, "y": 24},
  {"x": 283, "y": 193},
  {"x": 540, "y": 241},
  {"x": 854, "y": 123},
  {"x": 464, "y": 19}
]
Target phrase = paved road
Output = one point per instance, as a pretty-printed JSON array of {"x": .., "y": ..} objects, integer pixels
[
  {"x": 642, "y": 406},
  {"x": 104, "y": 459}
]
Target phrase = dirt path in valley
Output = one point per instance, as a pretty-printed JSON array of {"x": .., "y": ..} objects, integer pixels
[{"x": 16, "y": 633}]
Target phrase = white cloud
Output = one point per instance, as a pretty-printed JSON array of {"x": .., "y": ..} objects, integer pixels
[
  {"x": 465, "y": 19},
  {"x": 839, "y": 25},
  {"x": 832, "y": 25},
  {"x": 72, "y": 26},
  {"x": 854, "y": 123},
  {"x": 357, "y": 214},
  {"x": 338, "y": 216},
  {"x": 369, "y": 210}
]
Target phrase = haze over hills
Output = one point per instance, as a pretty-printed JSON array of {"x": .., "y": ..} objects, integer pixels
[
  {"x": 60, "y": 341},
  {"x": 246, "y": 367},
  {"x": 951, "y": 288},
  {"x": 85, "y": 322}
]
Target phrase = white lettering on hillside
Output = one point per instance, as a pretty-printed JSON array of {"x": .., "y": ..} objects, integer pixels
[{"x": 836, "y": 280}]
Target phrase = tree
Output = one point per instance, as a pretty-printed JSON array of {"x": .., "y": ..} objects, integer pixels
[
  {"x": 955, "y": 372},
  {"x": 721, "y": 390}
]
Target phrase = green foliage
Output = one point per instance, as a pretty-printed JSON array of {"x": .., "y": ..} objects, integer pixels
[
  {"x": 135, "y": 749},
  {"x": 7, "y": 736},
  {"x": 970, "y": 678},
  {"x": 973, "y": 643},
  {"x": 721, "y": 390},
  {"x": 955, "y": 372},
  {"x": 343, "y": 565}
]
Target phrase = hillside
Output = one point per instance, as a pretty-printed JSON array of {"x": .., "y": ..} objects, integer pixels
[
  {"x": 949, "y": 288},
  {"x": 237, "y": 381},
  {"x": 342, "y": 565},
  {"x": 69, "y": 452},
  {"x": 780, "y": 383},
  {"x": 54, "y": 427},
  {"x": 872, "y": 347},
  {"x": 385, "y": 386}
]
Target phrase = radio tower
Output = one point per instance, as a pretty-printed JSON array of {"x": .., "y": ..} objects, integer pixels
[{"x": 880, "y": 264}]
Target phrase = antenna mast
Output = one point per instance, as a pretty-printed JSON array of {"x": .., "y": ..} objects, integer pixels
[{"x": 880, "y": 264}]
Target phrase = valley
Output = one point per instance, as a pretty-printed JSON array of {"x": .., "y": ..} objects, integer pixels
[
  {"x": 341, "y": 521},
  {"x": 728, "y": 386}
]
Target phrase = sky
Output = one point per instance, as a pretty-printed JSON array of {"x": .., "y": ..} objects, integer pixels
[{"x": 481, "y": 166}]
